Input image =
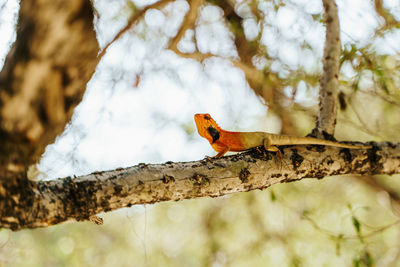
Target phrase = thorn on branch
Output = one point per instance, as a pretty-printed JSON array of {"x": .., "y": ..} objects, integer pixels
[{"x": 96, "y": 220}]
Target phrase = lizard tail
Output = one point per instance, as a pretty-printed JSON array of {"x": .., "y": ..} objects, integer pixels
[{"x": 291, "y": 140}]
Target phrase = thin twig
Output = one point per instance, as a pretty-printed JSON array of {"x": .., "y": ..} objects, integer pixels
[
  {"x": 378, "y": 186},
  {"x": 253, "y": 76},
  {"x": 188, "y": 23},
  {"x": 334, "y": 235},
  {"x": 347, "y": 237},
  {"x": 132, "y": 21}
]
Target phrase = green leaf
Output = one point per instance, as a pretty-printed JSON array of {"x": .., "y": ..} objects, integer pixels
[
  {"x": 272, "y": 195},
  {"x": 339, "y": 240},
  {"x": 367, "y": 259},
  {"x": 384, "y": 86},
  {"x": 356, "y": 262},
  {"x": 356, "y": 225}
]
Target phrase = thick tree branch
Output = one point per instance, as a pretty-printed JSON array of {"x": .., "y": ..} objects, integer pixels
[
  {"x": 44, "y": 78},
  {"x": 330, "y": 77},
  {"x": 28, "y": 204},
  {"x": 246, "y": 49}
]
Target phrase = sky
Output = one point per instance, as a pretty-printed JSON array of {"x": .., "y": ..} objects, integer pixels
[{"x": 123, "y": 121}]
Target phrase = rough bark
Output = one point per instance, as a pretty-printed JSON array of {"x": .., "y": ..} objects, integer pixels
[
  {"x": 44, "y": 78},
  {"x": 329, "y": 81},
  {"x": 28, "y": 204}
]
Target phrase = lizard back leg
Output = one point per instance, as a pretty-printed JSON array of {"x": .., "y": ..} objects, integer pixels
[{"x": 271, "y": 148}]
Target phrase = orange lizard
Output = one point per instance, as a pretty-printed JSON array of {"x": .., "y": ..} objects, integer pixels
[{"x": 223, "y": 141}]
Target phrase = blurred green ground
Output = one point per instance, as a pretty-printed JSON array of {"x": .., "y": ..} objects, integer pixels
[{"x": 261, "y": 228}]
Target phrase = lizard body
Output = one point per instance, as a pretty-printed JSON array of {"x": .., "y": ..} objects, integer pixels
[{"x": 223, "y": 141}]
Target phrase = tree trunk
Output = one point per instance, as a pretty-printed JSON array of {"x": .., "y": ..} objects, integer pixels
[{"x": 44, "y": 78}]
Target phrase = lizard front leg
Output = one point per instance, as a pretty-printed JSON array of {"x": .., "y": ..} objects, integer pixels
[{"x": 222, "y": 152}]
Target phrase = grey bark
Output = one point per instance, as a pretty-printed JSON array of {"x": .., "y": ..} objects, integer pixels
[
  {"x": 44, "y": 78},
  {"x": 329, "y": 81},
  {"x": 29, "y": 204}
]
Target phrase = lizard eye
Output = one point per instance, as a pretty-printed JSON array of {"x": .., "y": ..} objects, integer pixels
[{"x": 207, "y": 117}]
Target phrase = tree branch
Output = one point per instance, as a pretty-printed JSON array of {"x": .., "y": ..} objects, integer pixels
[
  {"x": 330, "y": 77},
  {"x": 28, "y": 204},
  {"x": 132, "y": 21},
  {"x": 390, "y": 21},
  {"x": 188, "y": 23},
  {"x": 263, "y": 83},
  {"x": 258, "y": 80}
]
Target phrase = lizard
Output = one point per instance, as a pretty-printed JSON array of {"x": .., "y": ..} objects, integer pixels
[{"x": 223, "y": 141}]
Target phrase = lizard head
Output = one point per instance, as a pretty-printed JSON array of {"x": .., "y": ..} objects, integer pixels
[{"x": 207, "y": 127}]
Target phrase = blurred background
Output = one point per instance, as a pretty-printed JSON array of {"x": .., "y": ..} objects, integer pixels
[{"x": 139, "y": 107}]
